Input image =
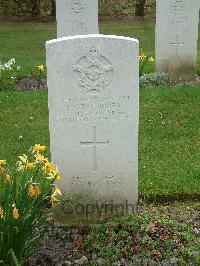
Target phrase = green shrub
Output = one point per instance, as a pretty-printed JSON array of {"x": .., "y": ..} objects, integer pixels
[
  {"x": 25, "y": 192},
  {"x": 46, "y": 7},
  {"x": 138, "y": 237},
  {"x": 154, "y": 79}
]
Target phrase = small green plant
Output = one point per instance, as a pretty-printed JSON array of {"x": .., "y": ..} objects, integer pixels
[
  {"x": 144, "y": 62},
  {"x": 40, "y": 74},
  {"x": 25, "y": 192},
  {"x": 8, "y": 75},
  {"x": 139, "y": 236},
  {"x": 198, "y": 70},
  {"x": 154, "y": 79}
]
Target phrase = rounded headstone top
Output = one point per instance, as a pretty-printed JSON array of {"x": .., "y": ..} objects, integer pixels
[{"x": 91, "y": 36}]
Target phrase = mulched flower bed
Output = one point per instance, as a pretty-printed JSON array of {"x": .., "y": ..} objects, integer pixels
[
  {"x": 56, "y": 248},
  {"x": 30, "y": 83}
]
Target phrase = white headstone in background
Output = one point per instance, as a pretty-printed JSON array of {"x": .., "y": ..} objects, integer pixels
[
  {"x": 93, "y": 84},
  {"x": 76, "y": 17},
  {"x": 176, "y": 36}
]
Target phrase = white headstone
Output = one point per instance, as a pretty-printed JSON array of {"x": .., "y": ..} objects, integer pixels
[
  {"x": 93, "y": 84},
  {"x": 176, "y": 36},
  {"x": 76, "y": 17}
]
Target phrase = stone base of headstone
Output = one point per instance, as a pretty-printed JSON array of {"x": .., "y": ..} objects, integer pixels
[
  {"x": 177, "y": 68},
  {"x": 74, "y": 212}
]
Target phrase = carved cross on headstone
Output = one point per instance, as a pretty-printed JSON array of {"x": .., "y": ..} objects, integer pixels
[
  {"x": 94, "y": 143},
  {"x": 177, "y": 44}
]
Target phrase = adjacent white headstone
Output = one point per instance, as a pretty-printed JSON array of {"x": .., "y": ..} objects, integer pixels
[
  {"x": 176, "y": 36},
  {"x": 93, "y": 84},
  {"x": 76, "y": 17}
]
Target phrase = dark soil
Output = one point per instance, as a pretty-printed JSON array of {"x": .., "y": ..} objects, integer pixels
[
  {"x": 31, "y": 83},
  {"x": 56, "y": 249}
]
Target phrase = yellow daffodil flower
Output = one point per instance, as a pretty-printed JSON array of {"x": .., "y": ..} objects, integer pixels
[
  {"x": 57, "y": 177},
  {"x": 22, "y": 164},
  {"x": 39, "y": 158},
  {"x": 50, "y": 176},
  {"x": 2, "y": 213},
  {"x": 30, "y": 166},
  {"x": 54, "y": 174},
  {"x": 48, "y": 168},
  {"x": 41, "y": 68},
  {"x": 8, "y": 179},
  {"x": 151, "y": 59},
  {"x": 37, "y": 148},
  {"x": 54, "y": 197},
  {"x": 2, "y": 162},
  {"x": 23, "y": 158},
  {"x": 15, "y": 213},
  {"x": 143, "y": 56},
  {"x": 58, "y": 191},
  {"x": 2, "y": 170},
  {"x": 34, "y": 191},
  {"x": 55, "y": 201}
]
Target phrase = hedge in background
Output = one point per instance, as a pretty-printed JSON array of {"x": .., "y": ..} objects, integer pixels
[{"x": 47, "y": 7}]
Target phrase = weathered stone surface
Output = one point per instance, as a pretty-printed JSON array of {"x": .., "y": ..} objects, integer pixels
[
  {"x": 93, "y": 86},
  {"x": 76, "y": 17},
  {"x": 176, "y": 36}
]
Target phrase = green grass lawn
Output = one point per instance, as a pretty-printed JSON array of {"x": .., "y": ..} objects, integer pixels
[
  {"x": 169, "y": 161},
  {"x": 26, "y": 41},
  {"x": 169, "y": 118}
]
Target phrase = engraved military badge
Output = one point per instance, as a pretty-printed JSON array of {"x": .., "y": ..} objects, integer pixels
[
  {"x": 77, "y": 6},
  {"x": 94, "y": 72}
]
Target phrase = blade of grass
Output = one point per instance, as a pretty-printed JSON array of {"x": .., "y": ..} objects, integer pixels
[{"x": 14, "y": 257}]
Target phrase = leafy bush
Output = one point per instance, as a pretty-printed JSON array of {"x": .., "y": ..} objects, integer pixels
[
  {"x": 8, "y": 75},
  {"x": 154, "y": 79},
  {"x": 112, "y": 8},
  {"x": 25, "y": 192},
  {"x": 46, "y": 7},
  {"x": 141, "y": 239},
  {"x": 26, "y": 7}
]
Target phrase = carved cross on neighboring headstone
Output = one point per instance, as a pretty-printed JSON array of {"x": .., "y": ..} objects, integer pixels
[
  {"x": 177, "y": 44},
  {"x": 94, "y": 144}
]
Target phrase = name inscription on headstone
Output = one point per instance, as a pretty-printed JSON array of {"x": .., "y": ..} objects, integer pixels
[
  {"x": 106, "y": 180},
  {"x": 98, "y": 109},
  {"x": 178, "y": 12}
]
